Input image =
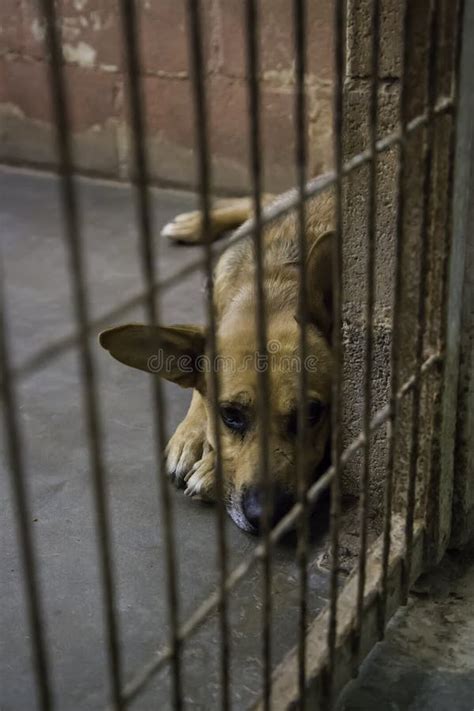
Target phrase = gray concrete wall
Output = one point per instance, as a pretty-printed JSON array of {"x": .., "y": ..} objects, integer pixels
[
  {"x": 356, "y": 137},
  {"x": 356, "y": 186}
]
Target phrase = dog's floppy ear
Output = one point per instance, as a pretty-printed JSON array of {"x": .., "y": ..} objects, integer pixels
[
  {"x": 320, "y": 283},
  {"x": 171, "y": 352}
]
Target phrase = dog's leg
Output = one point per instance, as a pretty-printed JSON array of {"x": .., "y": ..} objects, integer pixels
[
  {"x": 225, "y": 215},
  {"x": 188, "y": 446}
]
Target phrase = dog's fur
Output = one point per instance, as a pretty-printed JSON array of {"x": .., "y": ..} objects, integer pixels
[{"x": 191, "y": 450}]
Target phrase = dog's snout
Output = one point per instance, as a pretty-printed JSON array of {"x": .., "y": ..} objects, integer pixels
[{"x": 253, "y": 505}]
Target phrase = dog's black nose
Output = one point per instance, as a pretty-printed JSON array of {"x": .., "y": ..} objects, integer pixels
[{"x": 253, "y": 505}]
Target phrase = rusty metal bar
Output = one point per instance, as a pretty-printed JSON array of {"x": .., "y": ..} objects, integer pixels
[
  {"x": 147, "y": 254},
  {"x": 369, "y": 337},
  {"x": 263, "y": 391},
  {"x": 336, "y": 402},
  {"x": 77, "y": 271},
  {"x": 431, "y": 90},
  {"x": 301, "y": 160},
  {"x": 23, "y": 516},
  {"x": 396, "y": 322},
  {"x": 202, "y": 143},
  {"x": 141, "y": 679},
  {"x": 287, "y": 202}
]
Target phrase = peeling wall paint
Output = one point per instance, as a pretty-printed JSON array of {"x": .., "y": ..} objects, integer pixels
[
  {"x": 38, "y": 30},
  {"x": 82, "y": 54},
  {"x": 79, "y": 5}
]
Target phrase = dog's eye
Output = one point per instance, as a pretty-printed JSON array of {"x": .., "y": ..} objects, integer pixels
[
  {"x": 315, "y": 411},
  {"x": 234, "y": 419}
]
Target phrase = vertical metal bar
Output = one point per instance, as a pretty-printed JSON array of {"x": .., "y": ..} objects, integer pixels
[
  {"x": 202, "y": 143},
  {"x": 147, "y": 253},
  {"x": 299, "y": 22},
  {"x": 264, "y": 404},
  {"x": 77, "y": 271},
  {"x": 431, "y": 92},
  {"x": 371, "y": 242},
  {"x": 336, "y": 409},
  {"x": 20, "y": 494},
  {"x": 396, "y": 320}
]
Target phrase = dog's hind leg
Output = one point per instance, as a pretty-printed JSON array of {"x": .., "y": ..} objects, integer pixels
[
  {"x": 188, "y": 446},
  {"x": 224, "y": 215}
]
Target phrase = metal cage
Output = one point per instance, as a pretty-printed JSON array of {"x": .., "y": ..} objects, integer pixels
[{"x": 418, "y": 478}]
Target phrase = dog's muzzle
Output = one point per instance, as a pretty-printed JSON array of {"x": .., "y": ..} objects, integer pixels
[{"x": 247, "y": 507}]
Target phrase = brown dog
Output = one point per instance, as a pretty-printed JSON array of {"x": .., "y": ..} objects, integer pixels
[{"x": 177, "y": 353}]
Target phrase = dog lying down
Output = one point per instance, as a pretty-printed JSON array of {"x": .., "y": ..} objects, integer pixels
[{"x": 177, "y": 353}]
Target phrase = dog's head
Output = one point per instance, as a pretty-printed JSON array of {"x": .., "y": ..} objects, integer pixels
[{"x": 181, "y": 354}]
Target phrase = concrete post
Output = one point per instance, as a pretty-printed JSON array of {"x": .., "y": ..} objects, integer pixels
[
  {"x": 460, "y": 410},
  {"x": 356, "y": 133}
]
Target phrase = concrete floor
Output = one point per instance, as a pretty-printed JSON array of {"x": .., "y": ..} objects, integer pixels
[{"x": 427, "y": 660}]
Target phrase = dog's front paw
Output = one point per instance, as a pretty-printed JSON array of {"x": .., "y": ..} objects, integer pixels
[
  {"x": 200, "y": 481},
  {"x": 186, "y": 227},
  {"x": 184, "y": 450}
]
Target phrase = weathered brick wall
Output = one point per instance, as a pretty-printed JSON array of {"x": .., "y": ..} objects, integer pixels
[{"x": 93, "y": 52}]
